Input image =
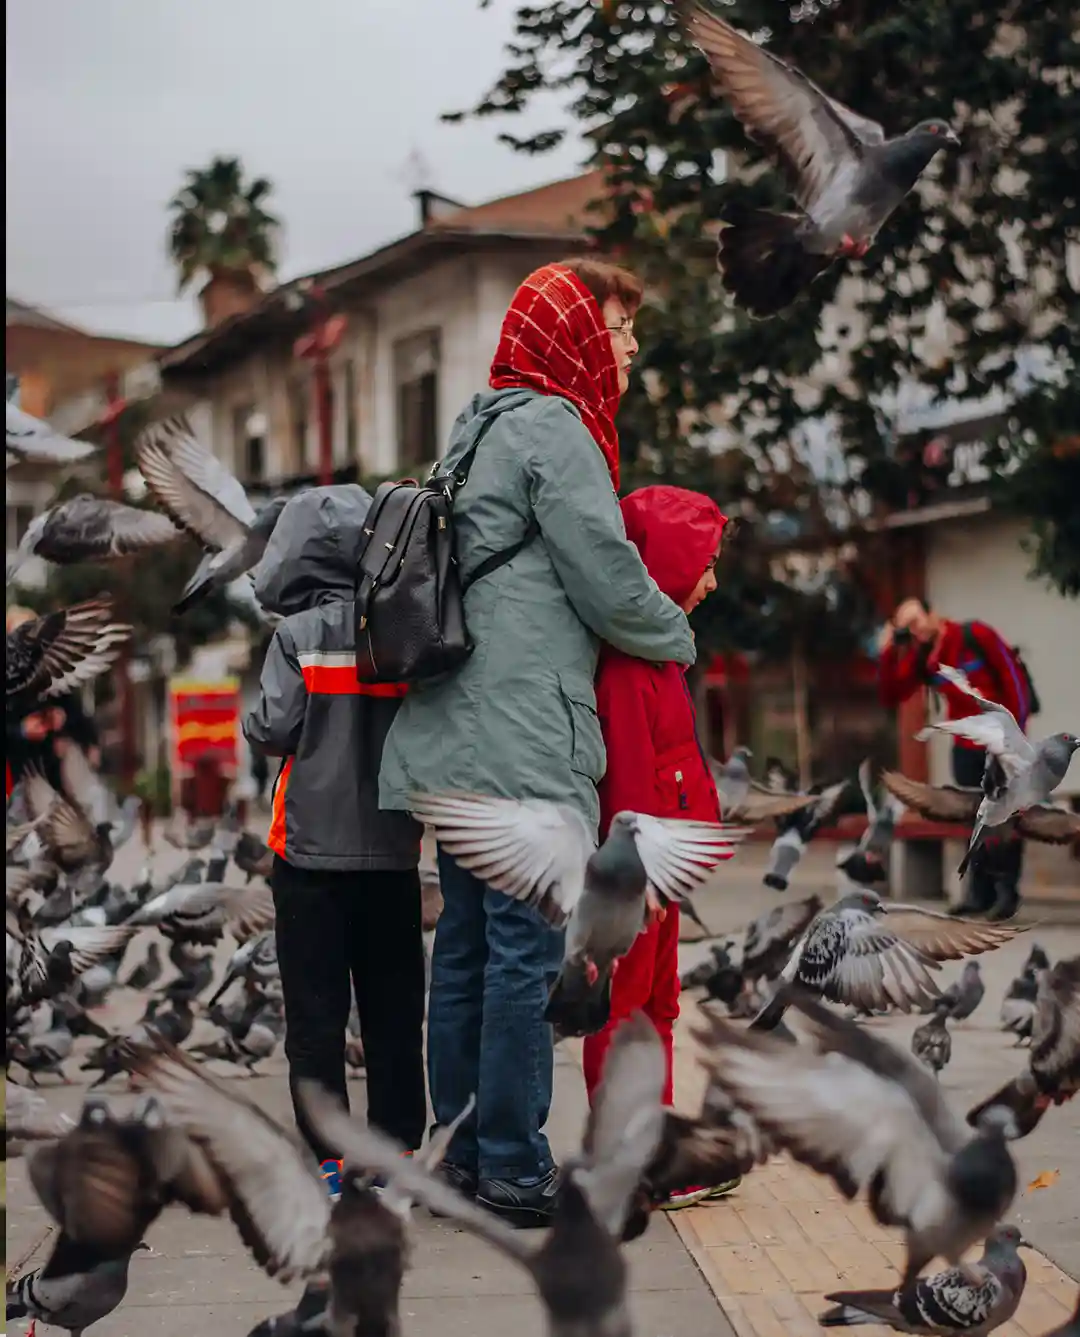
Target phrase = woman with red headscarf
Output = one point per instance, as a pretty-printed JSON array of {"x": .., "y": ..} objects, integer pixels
[{"x": 519, "y": 719}]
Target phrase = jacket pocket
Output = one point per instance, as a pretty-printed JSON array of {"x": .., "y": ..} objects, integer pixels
[
  {"x": 671, "y": 783},
  {"x": 587, "y": 755}
]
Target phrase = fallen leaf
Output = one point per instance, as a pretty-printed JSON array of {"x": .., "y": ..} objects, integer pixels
[{"x": 1047, "y": 1179}]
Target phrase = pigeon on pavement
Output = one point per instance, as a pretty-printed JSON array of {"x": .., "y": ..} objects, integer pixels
[
  {"x": 1053, "y": 1074},
  {"x": 947, "y": 803},
  {"x": 148, "y": 971},
  {"x": 1018, "y": 1006},
  {"x": 845, "y": 176},
  {"x": 856, "y": 1108},
  {"x": 742, "y": 799},
  {"x": 966, "y": 994},
  {"x": 931, "y": 1043},
  {"x": 195, "y": 489},
  {"x": 796, "y": 832},
  {"x": 946, "y": 1304},
  {"x": 1027, "y": 773},
  {"x": 74, "y": 1290},
  {"x": 91, "y": 529},
  {"x": 55, "y": 654},
  {"x": 850, "y": 954},
  {"x": 29, "y": 438}
]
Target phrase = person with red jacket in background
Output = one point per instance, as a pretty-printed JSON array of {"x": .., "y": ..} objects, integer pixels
[
  {"x": 655, "y": 764},
  {"x": 913, "y": 647}
]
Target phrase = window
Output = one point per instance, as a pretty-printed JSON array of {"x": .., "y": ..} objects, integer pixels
[
  {"x": 19, "y": 517},
  {"x": 249, "y": 443},
  {"x": 416, "y": 377},
  {"x": 299, "y": 414},
  {"x": 348, "y": 377}
]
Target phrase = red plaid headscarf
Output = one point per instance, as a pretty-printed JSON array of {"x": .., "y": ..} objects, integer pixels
[{"x": 554, "y": 340}]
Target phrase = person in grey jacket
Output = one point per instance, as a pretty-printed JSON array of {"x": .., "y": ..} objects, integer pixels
[
  {"x": 519, "y": 720},
  {"x": 345, "y": 876}
]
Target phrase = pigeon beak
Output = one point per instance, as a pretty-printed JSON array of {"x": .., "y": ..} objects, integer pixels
[
  {"x": 952, "y": 138},
  {"x": 1022, "y": 1243}
]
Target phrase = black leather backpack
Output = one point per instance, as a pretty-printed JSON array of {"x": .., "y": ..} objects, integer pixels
[{"x": 410, "y": 595}]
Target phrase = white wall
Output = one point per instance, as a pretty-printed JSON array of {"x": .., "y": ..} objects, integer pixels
[{"x": 976, "y": 568}]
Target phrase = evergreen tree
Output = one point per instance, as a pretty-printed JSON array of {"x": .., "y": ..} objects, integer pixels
[{"x": 809, "y": 408}]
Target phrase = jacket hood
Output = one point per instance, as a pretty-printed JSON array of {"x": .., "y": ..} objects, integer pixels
[
  {"x": 312, "y": 554},
  {"x": 677, "y": 533}
]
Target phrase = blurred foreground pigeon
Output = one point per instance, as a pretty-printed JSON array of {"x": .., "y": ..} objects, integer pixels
[
  {"x": 1053, "y": 1074},
  {"x": 29, "y": 438},
  {"x": 931, "y": 1043},
  {"x": 76, "y": 1288},
  {"x": 193, "y": 487},
  {"x": 796, "y": 832},
  {"x": 948, "y": 803},
  {"x": 852, "y": 1106},
  {"x": 1027, "y": 773},
  {"x": 91, "y": 529},
  {"x": 845, "y": 176},
  {"x": 54, "y": 654},
  {"x": 851, "y": 954},
  {"x": 946, "y": 1304},
  {"x": 742, "y": 799}
]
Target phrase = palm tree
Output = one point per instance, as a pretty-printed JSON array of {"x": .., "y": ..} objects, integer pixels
[{"x": 220, "y": 226}]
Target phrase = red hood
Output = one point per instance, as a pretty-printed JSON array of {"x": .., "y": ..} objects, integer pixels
[{"x": 677, "y": 533}]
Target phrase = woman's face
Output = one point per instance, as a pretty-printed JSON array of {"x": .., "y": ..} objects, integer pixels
[{"x": 623, "y": 343}]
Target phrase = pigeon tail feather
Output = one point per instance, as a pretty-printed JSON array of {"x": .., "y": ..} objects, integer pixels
[
  {"x": 575, "y": 1007},
  {"x": 764, "y": 263}
]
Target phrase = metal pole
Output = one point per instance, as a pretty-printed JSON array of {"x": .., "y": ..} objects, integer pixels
[{"x": 125, "y": 697}]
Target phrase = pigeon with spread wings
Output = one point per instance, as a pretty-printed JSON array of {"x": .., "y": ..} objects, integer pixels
[
  {"x": 851, "y": 954},
  {"x": 845, "y": 176},
  {"x": 30, "y": 439},
  {"x": 950, "y": 803},
  {"x": 91, "y": 529},
  {"x": 742, "y": 799},
  {"x": 51, "y": 655},
  {"x": 854, "y": 1107},
  {"x": 200, "y": 495},
  {"x": 543, "y": 853},
  {"x": 1025, "y": 774}
]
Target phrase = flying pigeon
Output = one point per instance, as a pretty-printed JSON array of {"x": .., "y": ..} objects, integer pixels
[
  {"x": 770, "y": 938},
  {"x": 850, "y": 954},
  {"x": 29, "y": 438},
  {"x": 91, "y": 529},
  {"x": 578, "y": 1270},
  {"x": 949, "y": 803},
  {"x": 201, "y": 912},
  {"x": 1053, "y": 1074},
  {"x": 966, "y": 994},
  {"x": 866, "y": 864},
  {"x": 54, "y": 654},
  {"x": 931, "y": 1043},
  {"x": 796, "y": 832},
  {"x": 946, "y": 1304},
  {"x": 79, "y": 846},
  {"x": 193, "y": 487},
  {"x": 1029, "y": 772},
  {"x": 742, "y": 799},
  {"x": 854, "y": 1107},
  {"x": 845, "y": 176}
]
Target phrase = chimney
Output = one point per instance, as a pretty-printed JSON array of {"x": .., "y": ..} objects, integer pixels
[
  {"x": 227, "y": 294},
  {"x": 432, "y": 205}
]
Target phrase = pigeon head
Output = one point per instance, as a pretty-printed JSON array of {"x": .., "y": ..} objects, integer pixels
[
  {"x": 149, "y": 1113},
  {"x": 866, "y": 900},
  {"x": 937, "y": 132},
  {"x": 972, "y": 968},
  {"x": 742, "y": 753},
  {"x": 999, "y": 1121},
  {"x": 1057, "y": 752},
  {"x": 96, "y": 1114},
  {"x": 1005, "y": 1238},
  {"x": 905, "y": 158}
]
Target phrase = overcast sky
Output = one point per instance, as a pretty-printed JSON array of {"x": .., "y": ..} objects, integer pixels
[{"x": 108, "y": 101}]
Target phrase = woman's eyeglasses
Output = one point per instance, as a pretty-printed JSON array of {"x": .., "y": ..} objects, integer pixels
[{"x": 625, "y": 330}]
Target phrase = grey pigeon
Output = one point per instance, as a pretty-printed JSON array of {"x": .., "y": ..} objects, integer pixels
[
  {"x": 845, "y": 176},
  {"x": 29, "y": 438},
  {"x": 148, "y": 971},
  {"x": 867, "y": 864},
  {"x": 543, "y": 853},
  {"x": 796, "y": 832},
  {"x": 849, "y": 954},
  {"x": 52, "y": 655},
  {"x": 742, "y": 799},
  {"x": 1018, "y": 1006},
  {"x": 854, "y": 1107},
  {"x": 770, "y": 938},
  {"x": 931, "y": 1043},
  {"x": 91, "y": 529},
  {"x": 1053, "y": 1074},
  {"x": 79, "y": 846},
  {"x": 579, "y": 1270},
  {"x": 946, "y": 1304},
  {"x": 202, "y": 496},
  {"x": 255, "y": 959},
  {"x": 966, "y": 994},
  {"x": 201, "y": 912},
  {"x": 1026, "y": 773},
  {"x": 74, "y": 1290},
  {"x": 254, "y": 858},
  {"x": 948, "y": 803}
]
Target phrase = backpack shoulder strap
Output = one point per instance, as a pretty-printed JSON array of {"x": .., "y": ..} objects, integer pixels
[{"x": 449, "y": 480}]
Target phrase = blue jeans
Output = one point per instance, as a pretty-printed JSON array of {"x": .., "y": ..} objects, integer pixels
[{"x": 492, "y": 966}]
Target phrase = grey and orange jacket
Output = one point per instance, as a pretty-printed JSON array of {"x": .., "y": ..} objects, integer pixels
[{"x": 328, "y": 728}]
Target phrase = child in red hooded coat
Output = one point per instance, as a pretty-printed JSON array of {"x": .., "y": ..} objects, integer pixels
[{"x": 655, "y": 764}]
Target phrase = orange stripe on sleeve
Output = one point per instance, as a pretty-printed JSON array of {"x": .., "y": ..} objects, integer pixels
[
  {"x": 340, "y": 680},
  {"x": 276, "y": 839}
]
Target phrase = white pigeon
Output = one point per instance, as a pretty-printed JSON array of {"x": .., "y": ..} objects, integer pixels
[{"x": 29, "y": 438}]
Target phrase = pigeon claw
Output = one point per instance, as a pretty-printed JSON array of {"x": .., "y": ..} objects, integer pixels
[{"x": 852, "y": 248}]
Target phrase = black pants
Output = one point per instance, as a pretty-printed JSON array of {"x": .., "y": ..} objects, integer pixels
[
  {"x": 995, "y": 870},
  {"x": 336, "y": 929}
]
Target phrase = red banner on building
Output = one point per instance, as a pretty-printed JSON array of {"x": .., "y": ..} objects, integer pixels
[{"x": 204, "y": 720}]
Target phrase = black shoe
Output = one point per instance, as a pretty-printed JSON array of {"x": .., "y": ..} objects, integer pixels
[
  {"x": 1005, "y": 907},
  {"x": 459, "y": 1178},
  {"x": 523, "y": 1205},
  {"x": 967, "y": 909}
]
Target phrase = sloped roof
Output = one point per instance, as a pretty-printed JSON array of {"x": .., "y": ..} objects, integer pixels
[
  {"x": 21, "y": 313},
  {"x": 559, "y": 207}
]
